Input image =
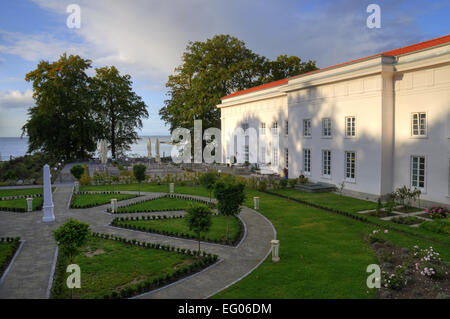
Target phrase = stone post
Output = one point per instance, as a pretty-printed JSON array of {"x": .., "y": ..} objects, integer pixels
[
  {"x": 49, "y": 216},
  {"x": 114, "y": 205},
  {"x": 76, "y": 187},
  {"x": 256, "y": 202},
  {"x": 171, "y": 186},
  {"x": 30, "y": 204},
  {"x": 275, "y": 250}
]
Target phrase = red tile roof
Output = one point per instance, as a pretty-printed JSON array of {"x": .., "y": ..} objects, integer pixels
[{"x": 408, "y": 49}]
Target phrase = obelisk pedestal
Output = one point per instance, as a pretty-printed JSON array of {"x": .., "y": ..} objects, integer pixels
[{"x": 47, "y": 208}]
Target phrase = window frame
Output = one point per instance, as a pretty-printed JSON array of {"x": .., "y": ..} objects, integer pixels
[
  {"x": 349, "y": 179},
  {"x": 306, "y": 172},
  {"x": 418, "y": 125},
  {"x": 346, "y": 126},
  {"x": 411, "y": 180},
  {"x": 304, "y": 128},
  {"x": 262, "y": 128},
  {"x": 330, "y": 128},
  {"x": 329, "y": 159}
]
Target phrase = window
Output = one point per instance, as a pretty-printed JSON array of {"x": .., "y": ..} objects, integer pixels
[
  {"x": 262, "y": 129},
  {"x": 326, "y": 163},
  {"x": 244, "y": 126},
  {"x": 350, "y": 165},
  {"x": 286, "y": 157},
  {"x": 307, "y": 127},
  {"x": 419, "y": 124},
  {"x": 326, "y": 127},
  {"x": 307, "y": 161},
  {"x": 246, "y": 149},
  {"x": 275, "y": 157},
  {"x": 350, "y": 126},
  {"x": 263, "y": 154},
  {"x": 275, "y": 127},
  {"x": 286, "y": 127},
  {"x": 418, "y": 172}
]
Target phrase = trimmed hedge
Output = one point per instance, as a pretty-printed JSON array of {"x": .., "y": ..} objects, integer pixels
[
  {"x": 16, "y": 243},
  {"x": 205, "y": 260},
  {"x": 186, "y": 197},
  {"x": 116, "y": 223},
  {"x": 20, "y": 196}
]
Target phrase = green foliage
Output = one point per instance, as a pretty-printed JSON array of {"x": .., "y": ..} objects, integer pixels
[
  {"x": 62, "y": 121},
  {"x": 283, "y": 183},
  {"x": 440, "y": 226},
  {"x": 119, "y": 109},
  {"x": 207, "y": 180},
  {"x": 27, "y": 168},
  {"x": 139, "y": 172},
  {"x": 71, "y": 236},
  {"x": 77, "y": 171},
  {"x": 198, "y": 219},
  {"x": 215, "y": 68}
]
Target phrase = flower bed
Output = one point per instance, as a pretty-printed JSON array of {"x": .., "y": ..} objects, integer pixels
[
  {"x": 437, "y": 212},
  {"x": 407, "y": 220}
]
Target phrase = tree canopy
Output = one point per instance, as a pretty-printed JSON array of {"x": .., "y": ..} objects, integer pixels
[
  {"x": 217, "y": 67},
  {"x": 73, "y": 111}
]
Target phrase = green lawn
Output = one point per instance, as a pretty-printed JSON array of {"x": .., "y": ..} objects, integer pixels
[
  {"x": 20, "y": 204},
  {"x": 89, "y": 200},
  {"x": 7, "y": 250},
  {"x": 164, "y": 203},
  {"x": 330, "y": 200},
  {"x": 108, "y": 265},
  {"x": 217, "y": 232},
  {"x": 323, "y": 255},
  {"x": 191, "y": 190}
]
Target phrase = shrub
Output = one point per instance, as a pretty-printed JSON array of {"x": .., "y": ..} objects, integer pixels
[
  {"x": 292, "y": 182},
  {"x": 283, "y": 183},
  {"x": 437, "y": 212},
  {"x": 302, "y": 179},
  {"x": 77, "y": 171}
]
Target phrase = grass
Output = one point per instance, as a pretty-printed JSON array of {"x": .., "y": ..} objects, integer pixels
[
  {"x": 331, "y": 200},
  {"x": 217, "y": 232},
  {"x": 90, "y": 200},
  {"x": 7, "y": 250},
  {"x": 164, "y": 203},
  {"x": 323, "y": 255},
  {"x": 108, "y": 265},
  {"x": 441, "y": 226},
  {"x": 20, "y": 204},
  {"x": 164, "y": 188}
]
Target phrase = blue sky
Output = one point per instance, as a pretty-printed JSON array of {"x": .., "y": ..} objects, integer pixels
[{"x": 146, "y": 38}]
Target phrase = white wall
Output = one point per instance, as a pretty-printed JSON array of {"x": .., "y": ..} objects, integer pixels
[{"x": 425, "y": 90}]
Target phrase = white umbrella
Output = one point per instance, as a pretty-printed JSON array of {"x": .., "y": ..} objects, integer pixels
[
  {"x": 149, "y": 148},
  {"x": 157, "y": 157}
]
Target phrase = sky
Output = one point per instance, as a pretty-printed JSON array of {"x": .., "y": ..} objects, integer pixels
[{"x": 146, "y": 38}]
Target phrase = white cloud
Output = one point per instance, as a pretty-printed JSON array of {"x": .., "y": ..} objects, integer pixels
[{"x": 13, "y": 100}]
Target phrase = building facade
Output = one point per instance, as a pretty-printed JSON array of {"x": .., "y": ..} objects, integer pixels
[{"x": 374, "y": 124}]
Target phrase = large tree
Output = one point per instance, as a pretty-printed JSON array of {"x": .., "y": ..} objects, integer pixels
[
  {"x": 61, "y": 123},
  {"x": 119, "y": 109},
  {"x": 215, "y": 68}
]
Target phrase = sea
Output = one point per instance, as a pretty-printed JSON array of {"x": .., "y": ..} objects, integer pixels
[{"x": 17, "y": 146}]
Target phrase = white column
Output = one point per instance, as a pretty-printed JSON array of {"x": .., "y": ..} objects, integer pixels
[
  {"x": 275, "y": 250},
  {"x": 256, "y": 202},
  {"x": 114, "y": 205},
  {"x": 171, "y": 188},
  {"x": 30, "y": 204},
  {"x": 49, "y": 216}
]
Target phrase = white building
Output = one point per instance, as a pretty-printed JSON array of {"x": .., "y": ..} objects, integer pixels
[{"x": 376, "y": 123}]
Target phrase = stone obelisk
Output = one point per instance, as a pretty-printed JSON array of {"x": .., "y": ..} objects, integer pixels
[{"x": 48, "y": 201}]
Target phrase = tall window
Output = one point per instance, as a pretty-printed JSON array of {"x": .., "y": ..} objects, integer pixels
[
  {"x": 418, "y": 172},
  {"x": 326, "y": 163},
  {"x": 275, "y": 157},
  {"x": 275, "y": 127},
  {"x": 419, "y": 124},
  {"x": 307, "y": 127},
  {"x": 326, "y": 127},
  {"x": 286, "y": 157},
  {"x": 350, "y": 166},
  {"x": 263, "y": 154},
  {"x": 246, "y": 149},
  {"x": 286, "y": 127},
  {"x": 262, "y": 128},
  {"x": 244, "y": 126},
  {"x": 350, "y": 126},
  {"x": 307, "y": 161}
]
